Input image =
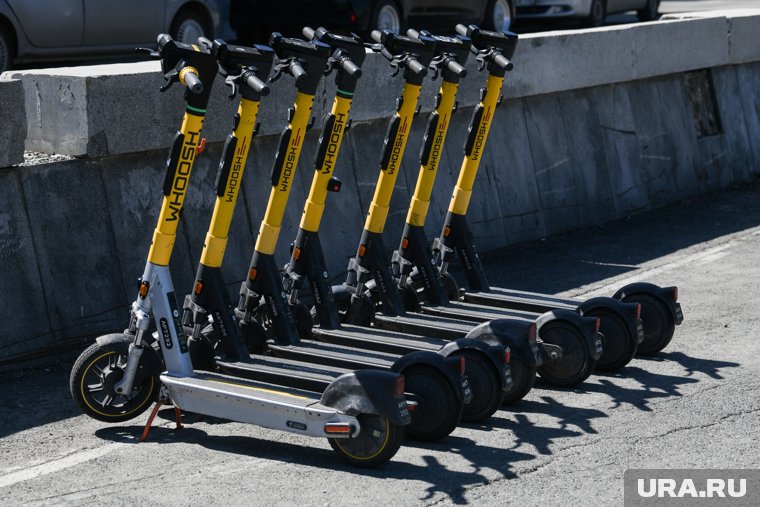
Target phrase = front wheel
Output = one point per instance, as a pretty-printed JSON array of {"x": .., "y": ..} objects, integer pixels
[
  {"x": 486, "y": 387},
  {"x": 98, "y": 369},
  {"x": 438, "y": 410},
  {"x": 523, "y": 378},
  {"x": 576, "y": 364},
  {"x": 377, "y": 442}
]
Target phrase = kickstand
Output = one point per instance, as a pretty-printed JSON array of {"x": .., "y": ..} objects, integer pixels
[{"x": 153, "y": 413}]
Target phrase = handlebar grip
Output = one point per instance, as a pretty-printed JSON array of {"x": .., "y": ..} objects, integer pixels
[
  {"x": 257, "y": 84},
  {"x": 503, "y": 62},
  {"x": 417, "y": 67},
  {"x": 351, "y": 68},
  {"x": 192, "y": 81},
  {"x": 377, "y": 36},
  {"x": 297, "y": 70},
  {"x": 461, "y": 29},
  {"x": 414, "y": 34},
  {"x": 308, "y": 32},
  {"x": 456, "y": 68}
]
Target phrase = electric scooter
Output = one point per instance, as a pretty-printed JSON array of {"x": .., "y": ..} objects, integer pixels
[
  {"x": 620, "y": 322},
  {"x": 116, "y": 378},
  {"x": 369, "y": 269},
  {"x": 433, "y": 381},
  {"x": 487, "y": 362},
  {"x": 569, "y": 341}
]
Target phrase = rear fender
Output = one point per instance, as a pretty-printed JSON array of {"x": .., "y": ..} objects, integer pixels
[
  {"x": 439, "y": 362},
  {"x": 626, "y": 311},
  {"x": 586, "y": 326},
  {"x": 493, "y": 351},
  {"x": 512, "y": 333},
  {"x": 666, "y": 294},
  {"x": 368, "y": 392}
]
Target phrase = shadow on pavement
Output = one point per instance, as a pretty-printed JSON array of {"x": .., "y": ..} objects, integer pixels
[
  {"x": 709, "y": 367},
  {"x": 439, "y": 478},
  {"x": 569, "y": 260}
]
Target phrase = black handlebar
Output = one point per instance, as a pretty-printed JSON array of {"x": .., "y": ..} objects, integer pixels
[
  {"x": 297, "y": 71},
  {"x": 461, "y": 29},
  {"x": 494, "y": 49},
  {"x": 304, "y": 60},
  {"x": 351, "y": 68},
  {"x": 377, "y": 36},
  {"x": 416, "y": 67},
  {"x": 257, "y": 85},
  {"x": 456, "y": 68},
  {"x": 348, "y": 54},
  {"x": 308, "y": 32}
]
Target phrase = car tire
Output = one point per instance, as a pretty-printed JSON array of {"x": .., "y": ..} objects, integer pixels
[
  {"x": 597, "y": 14},
  {"x": 650, "y": 12},
  {"x": 386, "y": 16},
  {"x": 7, "y": 49},
  {"x": 499, "y": 15},
  {"x": 188, "y": 25}
]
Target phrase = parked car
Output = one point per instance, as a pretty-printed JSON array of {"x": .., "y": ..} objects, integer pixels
[
  {"x": 590, "y": 12},
  {"x": 253, "y": 20},
  {"x": 74, "y": 29}
]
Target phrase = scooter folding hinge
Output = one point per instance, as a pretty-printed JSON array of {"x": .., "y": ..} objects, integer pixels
[
  {"x": 362, "y": 273},
  {"x": 194, "y": 313}
]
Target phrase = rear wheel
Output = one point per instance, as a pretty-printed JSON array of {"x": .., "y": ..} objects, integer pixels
[
  {"x": 439, "y": 410},
  {"x": 619, "y": 345},
  {"x": 650, "y": 11},
  {"x": 7, "y": 49},
  {"x": 657, "y": 320},
  {"x": 377, "y": 442},
  {"x": 386, "y": 16},
  {"x": 486, "y": 387},
  {"x": 498, "y": 15},
  {"x": 94, "y": 375},
  {"x": 597, "y": 15},
  {"x": 576, "y": 364},
  {"x": 523, "y": 378}
]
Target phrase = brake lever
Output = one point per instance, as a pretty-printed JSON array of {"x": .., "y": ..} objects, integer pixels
[
  {"x": 231, "y": 81},
  {"x": 150, "y": 52},
  {"x": 171, "y": 77}
]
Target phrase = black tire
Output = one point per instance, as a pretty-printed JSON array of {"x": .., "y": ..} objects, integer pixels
[
  {"x": 576, "y": 364},
  {"x": 378, "y": 441},
  {"x": 7, "y": 49},
  {"x": 384, "y": 13},
  {"x": 597, "y": 15},
  {"x": 439, "y": 411},
  {"x": 657, "y": 320},
  {"x": 188, "y": 25},
  {"x": 486, "y": 387},
  {"x": 499, "y": 12},
  {"x": 619, "y": 345},
  {"x": 94, "y": 374},
  {"x": 650, "y": 12},
  {"x": 523, "y": 378}
]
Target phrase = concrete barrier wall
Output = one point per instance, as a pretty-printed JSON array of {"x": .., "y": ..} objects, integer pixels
[{"x": 595, "y": 125}]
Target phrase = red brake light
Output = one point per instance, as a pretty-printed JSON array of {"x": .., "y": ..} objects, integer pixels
[
  {"x": 638, "y": 310},
  {"x": 398, "y": 389},
  {"x": 532, "y": 332},
  {"x": 462, "y": 364},
  {"x": 507, "y": 355},
  {"x": 597, "y": 325},
  {"x": 675, "y": 293},
  {"x": 339, "y": 428}
]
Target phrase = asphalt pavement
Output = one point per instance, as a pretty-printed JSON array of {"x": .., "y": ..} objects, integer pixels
[{"x": 695, "y": 405}]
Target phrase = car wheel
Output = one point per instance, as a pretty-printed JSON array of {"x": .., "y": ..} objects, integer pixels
[
  {"x": 597, "y": 14},
  {"x": 386, "y": 16},
  {"x": 7, "y": 49},
  {"x": 650, "y": 11},
  {"x": 188, "y": 26},
  {"x": 499, "y": 15}
]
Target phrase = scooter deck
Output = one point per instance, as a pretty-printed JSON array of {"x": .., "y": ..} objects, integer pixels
[
  {"x": 381, "y": 340},
  {"x": 251, "y": 402},
  {"x": 475, "y": 313},
  {"x": 283, "y": 372},
  {"x": 428, "y": 325},
  {"x": 519, "y": 300},
  {"x": 334, "y": 355}
]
